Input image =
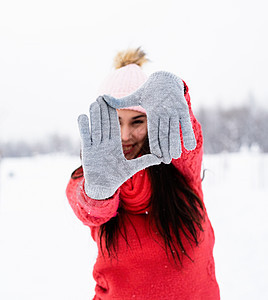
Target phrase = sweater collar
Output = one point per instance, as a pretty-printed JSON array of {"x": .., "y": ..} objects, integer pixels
[{"x": 135, "y": 193}]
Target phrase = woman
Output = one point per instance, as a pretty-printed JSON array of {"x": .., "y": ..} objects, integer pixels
[{"x": 140, "y": 190}]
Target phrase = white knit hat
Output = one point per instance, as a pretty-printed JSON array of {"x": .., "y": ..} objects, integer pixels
[{"x": 125, "y": 80}]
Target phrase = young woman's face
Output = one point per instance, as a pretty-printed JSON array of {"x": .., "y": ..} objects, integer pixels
[{"x": 133, "y": 125}]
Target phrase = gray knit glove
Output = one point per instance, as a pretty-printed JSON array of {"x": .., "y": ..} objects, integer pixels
[
  {"x": 162, "y": 96},
  {"x": 104, "y": 164}
]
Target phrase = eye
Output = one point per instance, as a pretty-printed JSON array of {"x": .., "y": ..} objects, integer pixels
[{"x": 137, "y": 122}]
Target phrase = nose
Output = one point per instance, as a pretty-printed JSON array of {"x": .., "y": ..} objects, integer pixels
[{"x": 125, "y": 133}]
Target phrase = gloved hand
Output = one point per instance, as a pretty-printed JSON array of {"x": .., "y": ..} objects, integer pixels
[
  {"x": 104, "y": 164},
  {"x": 162, "y": 96}
]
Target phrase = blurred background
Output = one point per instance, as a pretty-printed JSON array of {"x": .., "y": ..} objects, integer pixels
[{"x": 53, "y": 58}]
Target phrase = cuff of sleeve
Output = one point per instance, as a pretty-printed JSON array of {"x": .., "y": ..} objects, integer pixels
[{"x": 99, "y": 207}]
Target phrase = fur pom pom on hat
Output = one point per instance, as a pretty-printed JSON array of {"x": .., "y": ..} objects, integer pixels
[{"x": 127, "y": 77}]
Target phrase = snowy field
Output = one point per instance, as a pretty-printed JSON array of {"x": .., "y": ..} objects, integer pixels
[{"x": 47, "y": 253}]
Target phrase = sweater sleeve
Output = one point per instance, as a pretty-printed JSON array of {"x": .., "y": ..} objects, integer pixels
[
  {"x": 190, "y": 162},
  {"x": 90, "y": 211}
]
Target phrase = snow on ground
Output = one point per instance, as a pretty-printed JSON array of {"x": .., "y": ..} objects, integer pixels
[{"x": 47, "y": 253}]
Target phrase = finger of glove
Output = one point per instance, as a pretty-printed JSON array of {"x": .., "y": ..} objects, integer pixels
[
  {"x": 164, "y": 138},
  {"x": 187, "y": 132},
  {"x": 131, "y": 100},
  {"x": 95, "y": 121},
  {"x": 105, "y": 119},
  {"x": 174, "y": 138},
  {"x": 143, "y": 162},
  {"x": 153, "y": 135},
  {"x": 83, "y": 124},
  {"x": 115, "y": 127}
]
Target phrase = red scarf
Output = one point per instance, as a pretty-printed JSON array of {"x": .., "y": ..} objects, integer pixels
[{"x": 135, "y": 193}]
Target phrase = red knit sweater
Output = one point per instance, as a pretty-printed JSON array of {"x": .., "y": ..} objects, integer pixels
[{"x": 142, "y": 269}]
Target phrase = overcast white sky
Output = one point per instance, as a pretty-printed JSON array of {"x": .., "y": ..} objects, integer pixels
[{"x": 54, "y": 54}]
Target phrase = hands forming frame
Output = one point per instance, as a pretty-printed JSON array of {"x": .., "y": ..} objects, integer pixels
[{"x": 105, "y": 167}]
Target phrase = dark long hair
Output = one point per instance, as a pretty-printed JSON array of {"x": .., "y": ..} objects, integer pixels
[{"x": 176, "y": 211}]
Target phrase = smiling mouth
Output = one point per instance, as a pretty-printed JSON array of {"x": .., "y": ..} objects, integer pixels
[{"x": 128, "y": 148}]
